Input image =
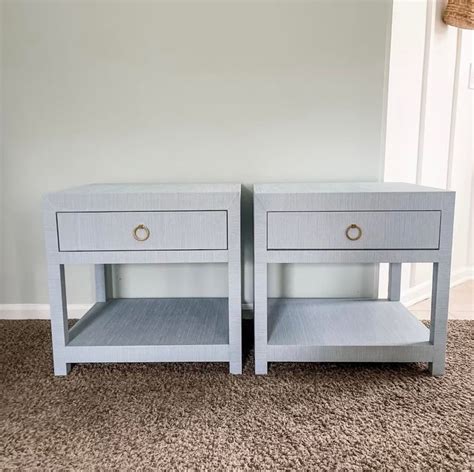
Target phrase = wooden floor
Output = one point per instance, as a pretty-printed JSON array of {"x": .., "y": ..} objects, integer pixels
[{"x": 461, "y": 303}]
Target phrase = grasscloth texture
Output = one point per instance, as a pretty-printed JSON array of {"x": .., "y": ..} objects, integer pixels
[{"x": 325, "y": 416}]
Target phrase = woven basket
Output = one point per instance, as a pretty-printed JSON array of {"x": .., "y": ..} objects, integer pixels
[{"x": 460, "y": 13}]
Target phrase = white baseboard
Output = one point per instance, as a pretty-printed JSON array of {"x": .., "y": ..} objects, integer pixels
[
  {"x": 422, "y": 291},
  {"x": 39, "y": 311}
]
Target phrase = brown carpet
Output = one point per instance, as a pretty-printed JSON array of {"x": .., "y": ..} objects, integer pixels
[{"x": 178, "y": 416}]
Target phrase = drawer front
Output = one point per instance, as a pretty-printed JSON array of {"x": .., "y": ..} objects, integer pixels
[
  {"x": 149, "y": 230},
  {"x": 353, "y": 230}
]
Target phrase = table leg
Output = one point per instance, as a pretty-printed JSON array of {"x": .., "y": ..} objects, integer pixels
[
  {"x": 394, "y": 281},
  {"x": 100, "y": 283},
  {"x": 439, "y": 316},
  {"x": 235, "y": 289},
  {"x": 59, "y": 320},
  {"x": 261, "y": 321}
]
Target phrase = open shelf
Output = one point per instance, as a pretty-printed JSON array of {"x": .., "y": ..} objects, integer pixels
[
  {"x": 342, "y": 322},
  {"x": 153, "y": 322}
]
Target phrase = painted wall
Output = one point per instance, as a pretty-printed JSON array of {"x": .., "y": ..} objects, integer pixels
[
  {"x": 1, "y": 154},
  {"x": 429, "y": 125},
  {"x": 461, "y": 162},
  {"x": 201, "y": 91}
]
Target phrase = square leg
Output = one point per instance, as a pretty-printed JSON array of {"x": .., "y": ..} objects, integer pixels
[
  {"x": 59, "y": 318},
  {"x": 437, "y": 368},
  {"x": 439, "y": 316},
  {"x": 235, "y": 289},
  {"x": 261, "y": 367},
  {"x": 100, "y": 283},
  {"x": 61, "y": 368},
  {"x": 260, "y": 319},
  {"x": 260, "y": 286},
  {"x": 394, "y": 281},
  {"x": 235, "y": 367}
]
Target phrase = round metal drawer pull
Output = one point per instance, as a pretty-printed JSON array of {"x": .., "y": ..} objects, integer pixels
[
  {"x": 138, "y": 229},
  {"x": 353, "y": 227}
]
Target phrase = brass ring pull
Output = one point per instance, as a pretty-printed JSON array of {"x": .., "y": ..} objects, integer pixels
[
  {"x": 353, "y": 227},
  {"x": 138, "y": 229}
]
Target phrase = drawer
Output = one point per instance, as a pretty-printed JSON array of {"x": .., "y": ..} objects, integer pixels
[
  {"x": 353, "y": 230},
  {"x": 148, "y": 230}
]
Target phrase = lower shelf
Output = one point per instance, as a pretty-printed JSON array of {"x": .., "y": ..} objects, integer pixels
[
  {"x": 330, "y": 322},
  {"x": 154, "y": 322},
  {"x": 345, "y": 330}
]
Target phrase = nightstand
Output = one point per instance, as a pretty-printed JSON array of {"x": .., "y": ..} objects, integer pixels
[
  {"x": 351, "y": 223},
  {"x": 145, "y": 224}
]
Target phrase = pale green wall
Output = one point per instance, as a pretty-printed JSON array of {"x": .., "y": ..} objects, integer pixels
[
  {"x": 1, "y": 155},
  {"x": 103, "y": 91}
]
